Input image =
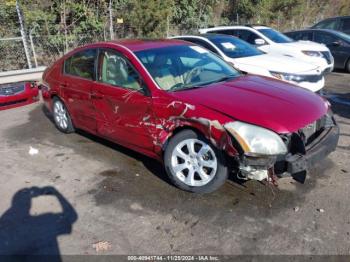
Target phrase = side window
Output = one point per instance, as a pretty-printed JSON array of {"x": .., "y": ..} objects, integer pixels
[
  {"x": 327, "y": 24},
  {"x": 305, "y": 36},
  {"x": 81, "y": 64},
  {"x": 116, "y": 70},
  {"x": 248, "y": 36},
  {"x": 324, "y": 38},
  {"x": 345, "y": 24},
  {"x": 203, "y": 44},
  {"x": 293, "y": 35},
  {"x": 225, "y": 32}
]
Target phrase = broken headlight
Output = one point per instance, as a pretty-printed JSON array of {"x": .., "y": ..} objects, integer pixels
[{"x": 255, "y": 140}]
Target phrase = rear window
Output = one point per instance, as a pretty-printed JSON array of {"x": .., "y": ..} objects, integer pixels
[{"x": 81, "y": 64}]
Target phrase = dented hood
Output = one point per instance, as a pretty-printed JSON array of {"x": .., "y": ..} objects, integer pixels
[{"x": 262, "y": 101}]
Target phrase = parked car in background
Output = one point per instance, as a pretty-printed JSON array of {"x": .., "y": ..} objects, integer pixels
[
  {"x": 18, "y": 94},
  {"x": 273, "y": 42},
  {"x": 340, "y": 23},
  {"x": 183, "y": 105},
  {"x": 337, "y": 42},
  {"x": 249, "y": 59}
]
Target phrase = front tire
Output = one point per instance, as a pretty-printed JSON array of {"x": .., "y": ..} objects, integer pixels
[
  {"x": 61, "y": 116},
  {"x": 193, "y": 164}
]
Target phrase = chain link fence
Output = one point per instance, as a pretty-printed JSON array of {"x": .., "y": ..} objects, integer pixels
[
  {"x": 44, "y": 50},
  {"x": 12, "y": 55}
]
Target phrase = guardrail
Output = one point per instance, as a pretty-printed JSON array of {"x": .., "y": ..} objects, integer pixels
[{"x": 33, "y": 74}]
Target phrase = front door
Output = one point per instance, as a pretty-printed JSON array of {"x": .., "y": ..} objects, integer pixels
[{"x": 121, "y": 101}]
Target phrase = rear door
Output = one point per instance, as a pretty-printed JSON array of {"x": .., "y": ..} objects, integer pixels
[
  {"x": 75, "y": 87},
  {"x": 121, "y": 101}
]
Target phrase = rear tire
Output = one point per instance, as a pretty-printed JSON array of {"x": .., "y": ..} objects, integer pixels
[
  {"x": 193, "y": 164},
  {"x": 61, "y": 117},
  {"x": 347, "y": 66}
]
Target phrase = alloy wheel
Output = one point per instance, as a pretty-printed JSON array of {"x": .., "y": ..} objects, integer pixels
[
  {"x": 194, "y": 162},
  {"x": 60, "y": 115}
]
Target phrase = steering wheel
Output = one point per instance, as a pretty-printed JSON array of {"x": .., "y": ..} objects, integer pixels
[
  {"x": 193, "y": 73},
  {"x": 176, "y": 86}
]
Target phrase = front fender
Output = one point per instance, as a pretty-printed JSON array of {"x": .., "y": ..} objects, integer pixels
[{"x": 170, "y": 118}]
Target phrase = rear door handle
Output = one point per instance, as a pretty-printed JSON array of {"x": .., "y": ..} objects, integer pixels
[
  {"x": 96, "y": 96},
  {"x": 63, "y": 85}
]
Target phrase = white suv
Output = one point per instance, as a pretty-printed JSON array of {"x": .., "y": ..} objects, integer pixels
[
  {"x": 274, "y": 42},
  {"x": 249, "y": 59}
]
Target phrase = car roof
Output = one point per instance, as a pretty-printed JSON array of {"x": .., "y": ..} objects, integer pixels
[
  {"x": 204, "y": 36},
  {"x": 261, "y": 27},
  {"x": 335, "y": 17},
  {"x": 236, "y": 27},
  {"x": 135, "y": 45},
  {"x": 313, "y": 30}
]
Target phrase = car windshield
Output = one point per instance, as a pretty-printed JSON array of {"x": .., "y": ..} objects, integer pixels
[
  {"x": 342, "y": 35},
  {"x": 275, "y": 36},
  {"x": 234, "y": 47},
  {"x": 183, "y": 67}
]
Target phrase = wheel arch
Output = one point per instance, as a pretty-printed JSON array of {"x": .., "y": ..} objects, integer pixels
[
  {"x": 56, "y": 95},
  {"x": 178, "y": 130},
  {"x": 347, "y": 64},
  {"x": 221, "y": 139}
]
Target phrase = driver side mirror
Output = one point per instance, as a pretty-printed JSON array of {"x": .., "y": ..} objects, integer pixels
[{"x": 259, "y": 41}]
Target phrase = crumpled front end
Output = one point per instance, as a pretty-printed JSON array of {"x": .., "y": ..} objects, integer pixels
[
  {"x": 308, "y": 146},
  {"x": 305, "y": 148}
]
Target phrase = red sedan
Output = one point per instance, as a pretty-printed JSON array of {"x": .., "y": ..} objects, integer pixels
[
  {"x": 18, "y": 94},
  {"x": 181, "y": 104}
]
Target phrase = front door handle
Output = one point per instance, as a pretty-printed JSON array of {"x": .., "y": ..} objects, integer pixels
[{"x": 96, "y": 96}]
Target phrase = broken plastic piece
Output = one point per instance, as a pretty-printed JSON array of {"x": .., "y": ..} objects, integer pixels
[
  {"x": 33, "y": 151},
  {"x": 102, "y": 246}
]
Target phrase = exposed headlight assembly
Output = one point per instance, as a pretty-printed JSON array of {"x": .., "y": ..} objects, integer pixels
[
  {"x": 312, "y": 53},
  {"x": 255, "y": 140}
]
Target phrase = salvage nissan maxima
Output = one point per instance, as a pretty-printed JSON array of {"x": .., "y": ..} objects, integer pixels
[{"x": 184, "y": 106}]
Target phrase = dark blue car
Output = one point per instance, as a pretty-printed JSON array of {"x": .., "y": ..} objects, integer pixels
[{"x": 337, "y": 42}]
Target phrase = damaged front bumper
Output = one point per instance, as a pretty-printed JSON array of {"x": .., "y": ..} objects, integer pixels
[
  {"x": 319, "y": 149},
  {"x": 292, "y": 164}
]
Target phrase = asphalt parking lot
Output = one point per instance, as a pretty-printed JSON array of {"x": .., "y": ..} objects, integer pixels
[{"x": 79, "y": 190}]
